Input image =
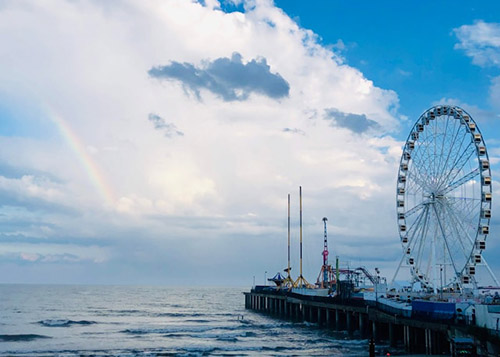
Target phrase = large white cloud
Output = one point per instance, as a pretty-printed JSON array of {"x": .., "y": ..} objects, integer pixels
[
  {"x": 481, "y": 42},
  {"x": 219, "y": 190}
]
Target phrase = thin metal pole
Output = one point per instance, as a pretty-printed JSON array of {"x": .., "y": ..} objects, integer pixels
[
  {"x": 288, "y": 234},
  {"x": 337, "y": 274},
  {"x": 300, "y": 195}
]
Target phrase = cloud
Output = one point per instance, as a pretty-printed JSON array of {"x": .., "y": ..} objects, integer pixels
[
  {"x": 478, "y": 114},
  {"x": 481, "y": 41},
  {"x": 495, "y": 92},
  {"x": 221, "y": 190},
  {"x": 357, "y": 123},
  {"x": 294, "y": 131},
  {"x": 51, "y": 254},
  {"x": 228, "y": 78},
  {"x": 404, "y": 73},
  {"x": 168, "y": 129}
]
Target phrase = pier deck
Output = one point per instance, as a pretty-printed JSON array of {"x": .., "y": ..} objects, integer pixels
[{"x": 369, "y": 321}]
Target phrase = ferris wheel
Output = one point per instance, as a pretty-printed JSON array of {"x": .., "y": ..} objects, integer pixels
[{"x": 444, "y": 200}]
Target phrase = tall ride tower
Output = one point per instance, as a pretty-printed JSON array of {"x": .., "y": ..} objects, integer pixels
[{"x": 326, "y": 277}]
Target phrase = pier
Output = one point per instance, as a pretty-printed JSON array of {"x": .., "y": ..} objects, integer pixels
[
  {"x": 369, "y": 321},
  {"x": 450, "y": 301}
]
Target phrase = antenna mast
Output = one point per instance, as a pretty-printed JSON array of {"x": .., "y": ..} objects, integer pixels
[
  {"x": 301, "y": 282},
  {"x": 288, "y": 235},
  {"x": 288, "y": 280}
]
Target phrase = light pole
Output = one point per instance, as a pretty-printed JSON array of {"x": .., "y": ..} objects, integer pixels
[
  {"x": 265, "y": 278},
  {"x": 441, "y": 278}
]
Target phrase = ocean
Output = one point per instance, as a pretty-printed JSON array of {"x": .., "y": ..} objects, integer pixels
[{"x": 67, "y": 320}]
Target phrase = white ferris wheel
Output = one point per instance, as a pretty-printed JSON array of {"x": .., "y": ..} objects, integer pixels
[{"x": 443, "y": 200}]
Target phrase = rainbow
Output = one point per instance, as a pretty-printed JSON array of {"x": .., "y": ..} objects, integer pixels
[{"x": 92, "y": 170}]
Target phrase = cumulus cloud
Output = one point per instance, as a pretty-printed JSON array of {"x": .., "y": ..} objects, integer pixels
[
  {"x": 481, "y": 41},
  {"x": 168, "y": 129},
  {"x": 228, "y": 78},
  {"x": 357, "y": 123},
  {"x": 221, "y": 190}
]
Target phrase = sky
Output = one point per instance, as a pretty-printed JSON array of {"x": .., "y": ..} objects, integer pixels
[{"x": 155, "y": 142}]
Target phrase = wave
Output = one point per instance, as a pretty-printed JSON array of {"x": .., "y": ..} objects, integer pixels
[
  {"x": 167, "y": 330},
  {"x": 21, "y": 337},
  {"x": 175, "y": 314},
  {"x": 205, "y": 331},
  {"x": 64, "y": 323},
  {"x": 123, "y": 312},
  {"x": 227, "y": 339}
]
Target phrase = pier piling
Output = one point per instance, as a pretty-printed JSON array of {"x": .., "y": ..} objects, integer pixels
[{"x": 415, "y": 335}]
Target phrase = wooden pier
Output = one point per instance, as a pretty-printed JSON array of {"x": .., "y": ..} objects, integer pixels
[{"x": 355, "y": 316}]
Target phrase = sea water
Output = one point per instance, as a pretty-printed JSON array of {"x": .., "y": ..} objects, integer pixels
[{"x": 64, "y": 320}]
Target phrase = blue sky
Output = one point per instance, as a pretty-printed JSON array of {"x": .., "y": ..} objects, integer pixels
[
  {"x": 155, "y": 142},
  {"x": 406, "y": 47}
]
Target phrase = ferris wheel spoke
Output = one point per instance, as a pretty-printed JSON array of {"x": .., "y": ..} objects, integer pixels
[
  {"x": 466, "y": 221},
  {"x": 425, "y": 228},
  {"x": 418, "y": 180},
  {"x": 411, "y": 232},
  {"x": 413, "y": 187},
  {"x": 422, "y": 154},
  {"x": 466, "y": 158},
  {"x": 423, "y": 175},
  {"x": 430, "y": 258},
  {"x": 456, "y": 131},
  {"x": 464, "y": 179},
  {"x": 463, "y": 218},
  {"x": 447, "y": 169},
  {"x": 455, "y": 225},
  {"x": 458, "y": 164},
  {"x": 467, "y": 204},
  {"x": 414, "y": 235},
  {"x": 415, "y": 209},
  {"x": 455, "y": 152},
  {"x": 445, "y": 239},
  {"x": 463, "y": 199},
  {"x": 442, "y": 152},
  {"x": 467, "y": 252}
]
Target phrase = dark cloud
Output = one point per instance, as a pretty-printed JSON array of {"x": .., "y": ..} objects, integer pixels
[
  {"x": 357, "y": 123},
  {"x": 229, "y": 78},
  {"x": 168, "y": 129},
  {"x": 294, "y": 131}
]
